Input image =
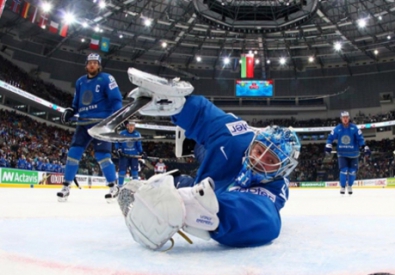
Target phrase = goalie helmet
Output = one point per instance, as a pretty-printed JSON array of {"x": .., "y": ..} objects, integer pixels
[
  {"x": 272, "y": 154},
  {"x": 93, "y": 57}
]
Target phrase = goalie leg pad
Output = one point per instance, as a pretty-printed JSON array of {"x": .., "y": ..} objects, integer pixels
[
  {"x": 126, "y": 195},
  {"x": 201, "y": 206},
  {"x": 157, "y": 213}
]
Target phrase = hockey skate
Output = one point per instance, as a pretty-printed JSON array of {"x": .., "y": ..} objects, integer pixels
[
  {"x": 342, "y": 190},
  {"x": 63, "y": 194},
  {"x": 168, "y": 96},
  {"x": 113, "y": 194},
  {"x": 161, "y": 86},
  {"x": 349, "y": 190}
]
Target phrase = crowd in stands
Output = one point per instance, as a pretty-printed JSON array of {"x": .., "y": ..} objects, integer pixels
[
  {"x": 44, "y": 148},
  {"x": 17, "y": 77}
]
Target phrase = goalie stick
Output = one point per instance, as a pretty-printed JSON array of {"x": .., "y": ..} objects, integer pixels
[{"x": 106, "y": 130}]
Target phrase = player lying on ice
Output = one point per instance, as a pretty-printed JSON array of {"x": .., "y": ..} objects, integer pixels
[{"x": 241, "y": 184}]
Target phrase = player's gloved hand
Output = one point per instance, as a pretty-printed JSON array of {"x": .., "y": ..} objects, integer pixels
[
  {"x": 328, "y": 149},
  {"x": 367, "y": 151},
  {"x": 67, "y": 115},
  {"x": 119, "y": 153}
]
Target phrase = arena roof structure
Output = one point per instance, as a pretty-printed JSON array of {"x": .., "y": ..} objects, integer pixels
[{"x": 282, "y": 34}]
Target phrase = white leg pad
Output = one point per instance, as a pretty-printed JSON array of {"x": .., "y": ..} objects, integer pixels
[
  {"x": 157, "y": 213},
  {"x": 201, "y": 206}
]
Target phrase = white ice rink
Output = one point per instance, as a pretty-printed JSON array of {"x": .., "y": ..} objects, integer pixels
[{"x": 322, "y": 233}]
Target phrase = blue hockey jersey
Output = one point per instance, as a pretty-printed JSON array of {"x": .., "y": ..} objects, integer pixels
[
  {"x": 96, "y": 97},
  {"x": 248, "y": 216},
  {"x": 131, "y": 148},
  {"x": 349, "y": 140}
]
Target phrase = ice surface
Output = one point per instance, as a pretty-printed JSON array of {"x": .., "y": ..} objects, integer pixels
[{"x": 323, "y": 233}]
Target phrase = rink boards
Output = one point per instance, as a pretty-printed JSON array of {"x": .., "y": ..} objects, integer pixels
[{"x": 36, "y": 179}]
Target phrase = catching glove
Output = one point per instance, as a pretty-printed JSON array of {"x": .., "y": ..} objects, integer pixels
[
  {"x": 67, "y": 115},
  {"x": 328, "y": 149}
]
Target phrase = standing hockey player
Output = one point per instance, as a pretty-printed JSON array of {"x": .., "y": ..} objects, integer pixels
[
  {"x": 350, "y": 140},
  {"x": 241, "y": 184},
  {"x": 96, "y": 97},
  {"x": 129, "y": 153}
]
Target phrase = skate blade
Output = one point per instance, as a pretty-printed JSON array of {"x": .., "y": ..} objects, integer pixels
[
  {"x": 161, "y": 85},
  {"x": 111, "y": 200},
  {"x": 62, "y": 199}
]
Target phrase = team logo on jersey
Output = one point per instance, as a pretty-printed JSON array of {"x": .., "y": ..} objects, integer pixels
[
  {"x": 238, "y": 128},
  {"x": 257, "y": 190},
  {"x": 97, "y": 88},
  {"x": 346, "y": 140},
  {"x": 87, "y": 97},
  {"x": 112, "y": 85},
  {"x": 130, "y": 144}
]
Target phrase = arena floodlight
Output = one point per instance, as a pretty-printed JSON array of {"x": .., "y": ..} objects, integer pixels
[
  {"x": 226, "y": 60},
  {"x": 198, "y": 59},
  {"x": 282, "y": 60},
  {"x": 102, "y": 4},
  {"x": 337, "y": 46},
  {"x": 362, "y": 23},
  {"x": 69, "y": 18},
  {"x": 46, "y": 6},
  {"x": 147, "y": 22}
]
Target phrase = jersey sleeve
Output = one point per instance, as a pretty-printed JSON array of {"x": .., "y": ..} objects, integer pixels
[
  {"x": 332, "y": 136},
  {"x": 204, "y": 122},
  {"x": 113, "y": 93},
  {"x": 360, "y": 138},
  {"x": 139, "y": 146},
  {"x": 76, "y": 96}
]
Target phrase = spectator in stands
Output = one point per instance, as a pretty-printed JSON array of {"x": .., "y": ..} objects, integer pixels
[{"x": 160, "y": 167}]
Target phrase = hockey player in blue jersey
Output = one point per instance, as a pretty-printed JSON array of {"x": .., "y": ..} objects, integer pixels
[
  {"x": 96, "y": 97},
  {"x": 349, "y": 141},
  {"x": 241, "y": 184},
  {"x": 129, "y": 153}
]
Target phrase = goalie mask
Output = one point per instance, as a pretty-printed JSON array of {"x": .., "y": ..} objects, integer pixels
[{"x": 272, "y": 154}]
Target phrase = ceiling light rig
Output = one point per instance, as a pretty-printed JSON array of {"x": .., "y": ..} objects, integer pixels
[{"x": 255, "y": 16}]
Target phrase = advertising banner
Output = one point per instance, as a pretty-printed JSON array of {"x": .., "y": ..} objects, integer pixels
[
  {"x": 98, "y": 181},
  {"x": 375, "y": 182},
  {"x": 332, "y": 184},
  {"x": 14, "y": 176},
  {"x": 312, "y": 184},
  {"x": 390, "y": 181},
  {"x": 294, "y": 184}
]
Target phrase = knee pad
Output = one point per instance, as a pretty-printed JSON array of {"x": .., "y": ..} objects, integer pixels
[
  {"x": 344, "y": 170},
  {"x": 352, "y": 171},
  {"x": 74, "y": 155},
  {"x": 104, "y": 159}
]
